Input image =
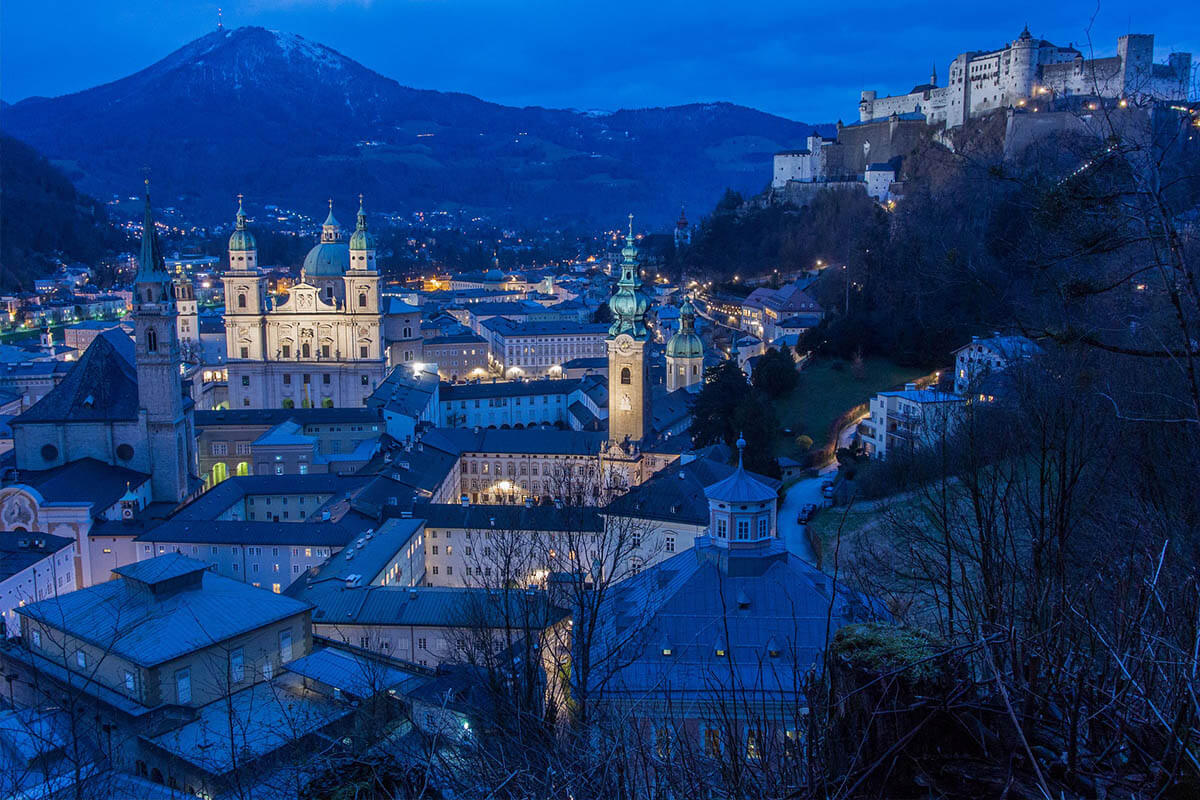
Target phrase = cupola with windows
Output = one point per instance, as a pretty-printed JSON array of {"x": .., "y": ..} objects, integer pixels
[{"x": 741, "y": 509}]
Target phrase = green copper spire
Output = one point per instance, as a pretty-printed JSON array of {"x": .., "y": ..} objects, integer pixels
[
  {"x": 151, "y": 268},
  {"x": 241, "y": 240},
  {"x": 361, "y": 239},
  {"x": 630, "y": 304}
]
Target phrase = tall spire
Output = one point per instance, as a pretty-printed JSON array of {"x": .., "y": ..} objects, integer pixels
[
  {"x": 629, "y": 305},
  {"x": 151, "y": 268},
  {"x": 361, "y": 239}
]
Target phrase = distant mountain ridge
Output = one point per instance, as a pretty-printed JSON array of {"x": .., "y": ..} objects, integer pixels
[{"x": 290, "y": 121}]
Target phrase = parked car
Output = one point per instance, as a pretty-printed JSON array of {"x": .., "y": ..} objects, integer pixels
[
  {"x": 827, "y": 489},
  {"x": 806, "y": 513}
]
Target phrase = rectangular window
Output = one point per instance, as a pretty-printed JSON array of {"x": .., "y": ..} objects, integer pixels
[
  {"x": 245, "y": 378},
  {"x": 81, "y": 659},
  {"x": 183, "y": 686},
  {"x": 762, "y": 528},
  {"x": 287, "y": 352},
  {"x": 325, "y": 378},
  {"x": 365, "y": 380},
  {"x": 285, "y": 645},
  {"x": 245, "y": 354},
  {"x": 129, "y": 684},
  {"x": 275, "y": 588},
  {"x": 743, "y": 529},
  {"x": 362, "y": 351},
  {"x": 36, "y": 636},
  {"x": 721, "y": 530},
  {"x": 237, "y": 665},
  {"x": 268, "y": 670},
  {"x": 421, "y": 644}
]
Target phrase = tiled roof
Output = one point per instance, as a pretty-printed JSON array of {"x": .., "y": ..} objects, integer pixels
[
  {"x": 102, "y": 385},
  {"x": 86, "y": 480},
  {"x": 427, "y": 606},
  {"x": 274, "y": 416},
  {"x": 219, "y": 498},
  {"x": 753, "y": 624},
  {"x": 14, "y": 557},
  {"x": 548, "y": 442},
  {"x": 252, "y": 532},
  {"x": 508, "y": 517},
  {"x": 676, "y": 493},
  {"x": 471, "y": 391},
  {"x": 120, "y": 617}
]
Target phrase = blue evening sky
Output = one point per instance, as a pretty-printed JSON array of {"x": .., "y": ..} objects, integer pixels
[{"x": 804, "y": 60}]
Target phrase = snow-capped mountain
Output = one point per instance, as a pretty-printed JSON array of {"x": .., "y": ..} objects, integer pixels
[{"x": 290, "y": 121}]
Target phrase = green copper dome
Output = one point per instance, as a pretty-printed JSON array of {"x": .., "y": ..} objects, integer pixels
[
  {"x": 331, "y": 257},
  {"x": 328, "y": 259},
  {"x": 685, "y": 343},
  {"x": 630, "y": 304},
  {"x": 361, "y": 239},
  {"x": 242, "y": 239}
]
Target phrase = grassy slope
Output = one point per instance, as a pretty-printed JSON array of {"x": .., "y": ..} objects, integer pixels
[{"x": 825, "y": 391}]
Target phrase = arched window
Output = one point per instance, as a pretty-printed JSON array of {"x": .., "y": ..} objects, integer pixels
[
  {"x": 149, "y": 296},
  {"x": 362, "y": 300},
  {"x": 241, "y": 301},
  {"x": 152, "y": 340},
  {"x": 305, "y": 350},
  {"x": 625, "y": 377}
]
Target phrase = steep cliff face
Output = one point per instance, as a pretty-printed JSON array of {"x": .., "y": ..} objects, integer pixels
[{"x": 292, "y": 121}]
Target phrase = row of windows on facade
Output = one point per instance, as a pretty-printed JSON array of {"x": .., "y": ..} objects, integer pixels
[
  {"x": 309, "y": 552},
  {"x": 743, "y": 528},
  {"x": 362, "y": 298},
  {"x": 525, "y": 468},
  {"x": 285, "y": 351},
  {"x": 183, "y": 677},
  {"x": 502, "y": 402},
  {"x": 365, "y": 380}
]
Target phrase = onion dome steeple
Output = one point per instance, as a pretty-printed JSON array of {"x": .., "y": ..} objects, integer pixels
[
  {"x": 241, "y": 240},
  {"x": 630, "y": 304},
  {"x": 361, "y": 239},
  {"x": 686, "y": 343}
]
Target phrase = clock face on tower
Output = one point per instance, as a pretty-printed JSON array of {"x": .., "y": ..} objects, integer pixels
[{"x": 624, "y": 344}]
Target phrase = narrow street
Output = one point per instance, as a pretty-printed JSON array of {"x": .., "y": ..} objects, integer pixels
[{"x": 804, "y": 491}]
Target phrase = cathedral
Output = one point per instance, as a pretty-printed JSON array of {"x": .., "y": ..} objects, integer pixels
[
  {"x": 322, "y": 346},
  {"x": 116, "y": 435}
]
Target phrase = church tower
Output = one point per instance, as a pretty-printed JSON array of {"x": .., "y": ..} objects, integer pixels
[
  {"x": 362, "y": 279},
  {"x": 245, "y": 321},
  {"x": 685, "y": 353},
  {"x": 170, "y": 430},
  {"x": 627, "y": 337}
]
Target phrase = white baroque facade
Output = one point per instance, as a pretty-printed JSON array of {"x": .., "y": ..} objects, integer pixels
[{"x": 323, "y": 344}]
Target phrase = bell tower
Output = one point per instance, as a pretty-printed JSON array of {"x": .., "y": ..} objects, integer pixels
[
  {"x": 627, "y": 337},
  {"x": 170, "y": 431},
  {"x": 685, "y": 353}
]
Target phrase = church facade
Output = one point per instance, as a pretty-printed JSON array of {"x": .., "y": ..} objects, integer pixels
[
  {"x": 322, "y": 346},
  {"x": 116, "y": 435}
]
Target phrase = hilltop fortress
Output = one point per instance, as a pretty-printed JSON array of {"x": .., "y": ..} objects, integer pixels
[
  {"x": 1027, "y": 75},
  {"x": 1029, "y": 70}
]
